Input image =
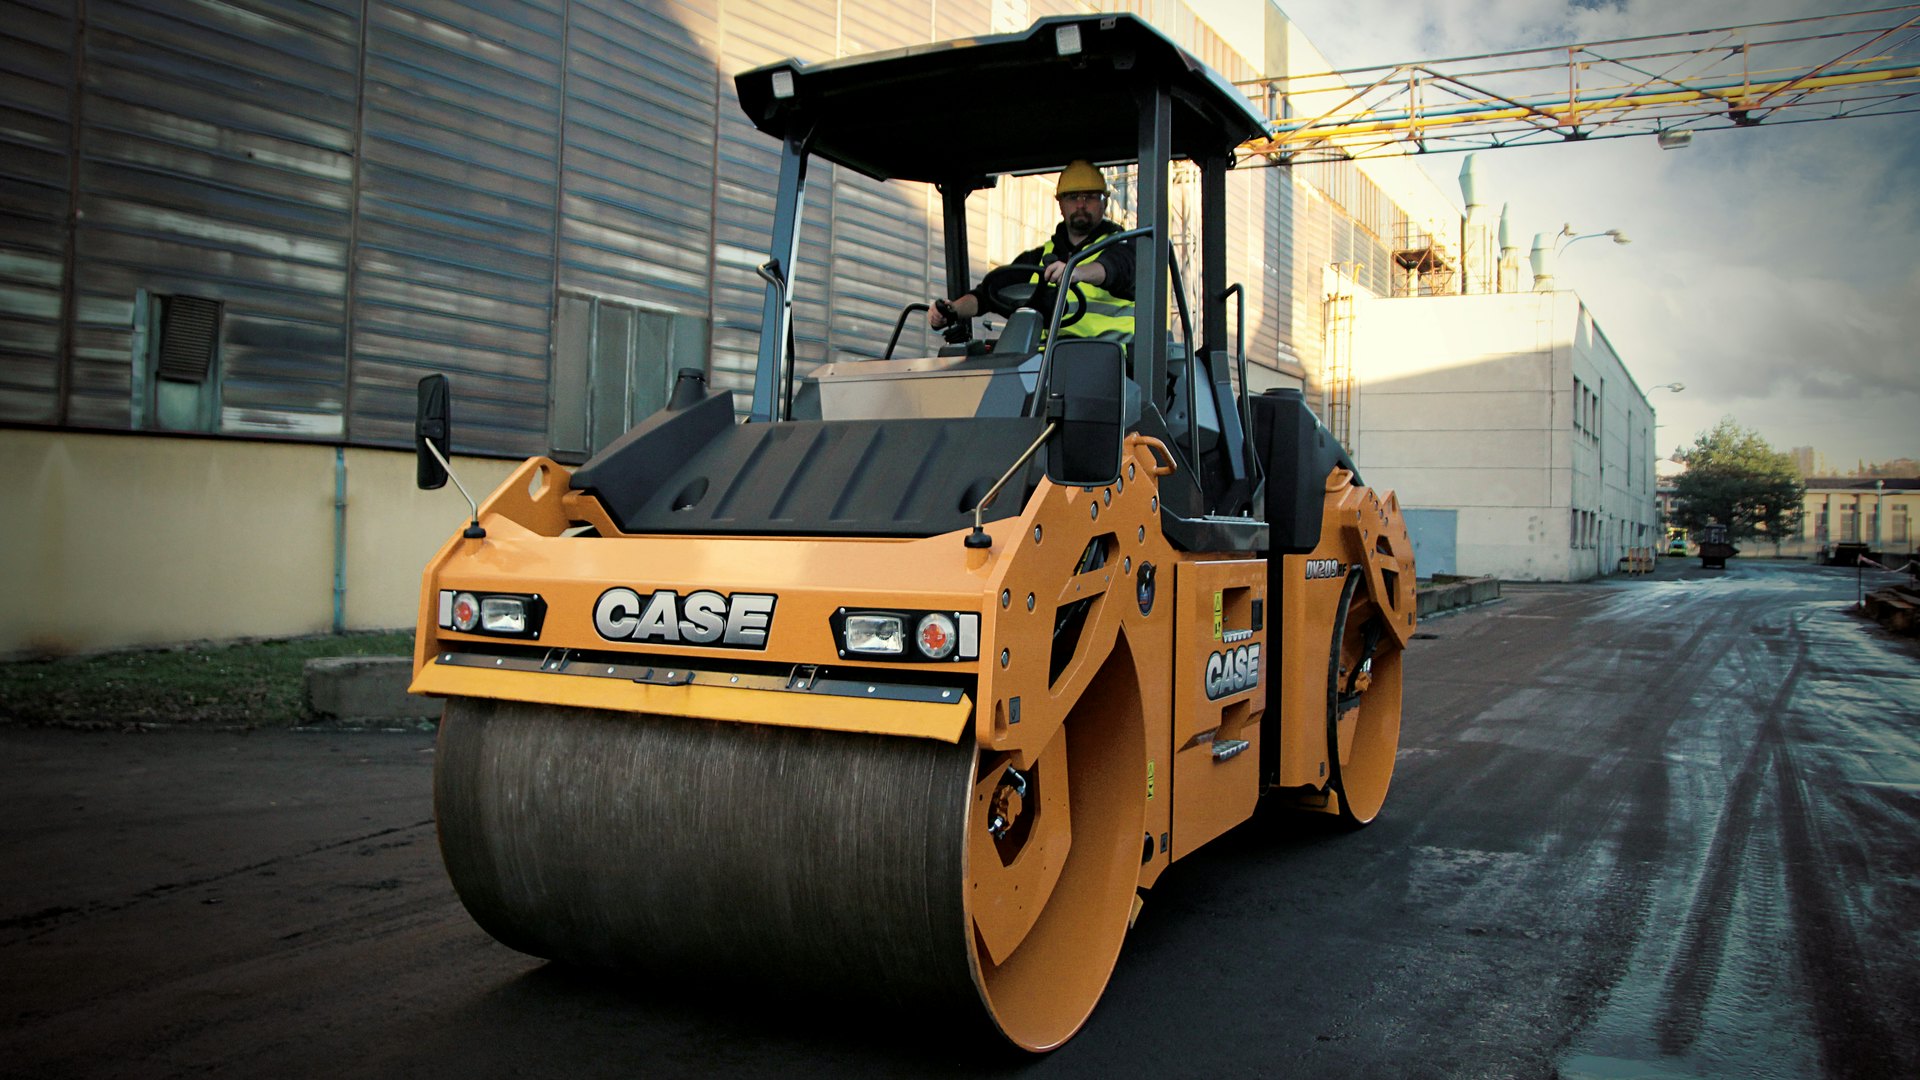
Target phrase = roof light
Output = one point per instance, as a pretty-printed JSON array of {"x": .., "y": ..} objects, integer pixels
[
  {"x": 1066, "y": 39},
  {"x": 1674, "y": 139},
  {"x": 783, "y": 83}
]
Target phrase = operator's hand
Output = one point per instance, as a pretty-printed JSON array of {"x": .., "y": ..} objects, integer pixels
[
  {"x": 944, "y": 313},
  {"x": 1090, "y": 272}
]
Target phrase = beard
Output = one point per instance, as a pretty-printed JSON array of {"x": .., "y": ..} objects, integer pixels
[{"x": 1080, "y": 221}]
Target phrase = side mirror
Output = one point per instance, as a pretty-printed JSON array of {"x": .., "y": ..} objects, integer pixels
[
  {"x": 1087, "y": 398},
  {"x": 432, "y": 421}
]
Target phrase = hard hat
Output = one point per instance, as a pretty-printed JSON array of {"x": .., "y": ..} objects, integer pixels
[{"x": 1080, "y": 176}]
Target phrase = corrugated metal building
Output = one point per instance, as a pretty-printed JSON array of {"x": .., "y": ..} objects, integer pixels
[
  {"x": 267, "y": 219},
  {"x": 271, "y": 217}
]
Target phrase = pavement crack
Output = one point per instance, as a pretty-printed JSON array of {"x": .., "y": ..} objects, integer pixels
[{"x": 46, "y": 921}]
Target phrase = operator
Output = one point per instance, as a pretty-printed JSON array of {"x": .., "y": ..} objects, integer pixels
[{"x": 1106, "y": 280}]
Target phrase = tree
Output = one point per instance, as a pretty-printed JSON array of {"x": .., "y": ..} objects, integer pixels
[
  {"x": 1898, "y": 467},
  {"x": 1735, "y": 479}
]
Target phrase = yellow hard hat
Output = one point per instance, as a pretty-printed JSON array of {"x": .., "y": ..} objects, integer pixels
[{"x": 1080, "y": 176}]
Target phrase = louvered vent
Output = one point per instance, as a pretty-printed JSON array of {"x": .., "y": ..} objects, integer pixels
[{"x": 189, "y": 327}]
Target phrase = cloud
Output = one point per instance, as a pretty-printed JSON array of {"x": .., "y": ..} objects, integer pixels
[{"x": 1771, "y": 270}]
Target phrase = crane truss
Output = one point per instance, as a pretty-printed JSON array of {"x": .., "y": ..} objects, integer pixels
[{"x": 1825, "y": 67}]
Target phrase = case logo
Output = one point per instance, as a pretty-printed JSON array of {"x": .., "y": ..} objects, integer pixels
[
  {"x": 1232, "y": 671},
  {"x": 1324, "y": 568},
  {"x": 740, "y": 621}
]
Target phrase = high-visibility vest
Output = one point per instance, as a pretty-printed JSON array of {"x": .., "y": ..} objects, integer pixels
[{"x": 1108, "y": 317}]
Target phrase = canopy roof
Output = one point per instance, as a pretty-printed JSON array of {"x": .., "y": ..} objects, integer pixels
[{"x": 965, "y": 110}]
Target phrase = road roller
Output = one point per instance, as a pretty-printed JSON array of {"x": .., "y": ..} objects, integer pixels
[{"x": 906, "y": 678}]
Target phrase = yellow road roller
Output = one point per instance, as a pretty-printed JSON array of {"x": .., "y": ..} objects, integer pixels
[{"x": 906, "y": 686}]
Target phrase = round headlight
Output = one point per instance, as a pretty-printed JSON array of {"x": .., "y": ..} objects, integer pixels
[
  {"x": 466, "y": 612},
  {"x": 935, "y": 636}
]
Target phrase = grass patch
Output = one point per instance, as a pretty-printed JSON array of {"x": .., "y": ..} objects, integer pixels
[{"x": 244, "y": 684}]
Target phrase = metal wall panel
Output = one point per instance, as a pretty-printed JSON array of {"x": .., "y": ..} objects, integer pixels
[
  {"x": 880, "y": 243},
  {"x": 36, "y": 137},
  {"x": 747, "y": 176},
  {"x": 880, "y": 233},
  {"x": 1276, "y": 269},
  {"x": 215, "y": 161},
  {"x": 454, "y": 251},
  {"x": 637, "y": 185},
  {"x": 418, "y": 190},
  {"x": 1313, "y": 251}
]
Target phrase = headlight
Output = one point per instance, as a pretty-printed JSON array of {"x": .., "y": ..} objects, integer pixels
[
  {"x": 935, "y": 636},
  {"x": 913, "y": 636},
  {"x": 503, "y": 615},
  {"x": 882, "y": 634},
  {"x": 515, "y": 615}
]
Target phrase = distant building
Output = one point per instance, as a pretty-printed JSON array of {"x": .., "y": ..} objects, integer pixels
[
  {"x": 1518, "y": 441},
  {"x": 1883, "y": 514},
  {"x": 1804, "y": 459}
]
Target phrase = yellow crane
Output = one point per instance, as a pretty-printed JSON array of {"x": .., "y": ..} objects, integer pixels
[{"x": 1824, "y": 67}]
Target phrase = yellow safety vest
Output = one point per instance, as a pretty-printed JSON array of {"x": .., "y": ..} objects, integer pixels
[{"x": 1108, "y": 317}]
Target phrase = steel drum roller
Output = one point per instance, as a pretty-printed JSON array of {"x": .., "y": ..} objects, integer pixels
[{"x": 791, "y": 857}]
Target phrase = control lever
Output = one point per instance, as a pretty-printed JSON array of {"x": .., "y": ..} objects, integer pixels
[{"x": 958, "y": 330}]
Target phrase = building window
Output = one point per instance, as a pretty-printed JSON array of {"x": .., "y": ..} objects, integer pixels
[
  {"x": 613, "y": 366},
  {"x": 1900, "y": 523},
  {"x": 1849, "y": 524},
  {"x": 1583, "y": 529},
  {"x": 176, "y": 362}
]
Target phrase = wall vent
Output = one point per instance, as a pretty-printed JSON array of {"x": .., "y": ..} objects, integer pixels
[{"x": 189, "y": 328}]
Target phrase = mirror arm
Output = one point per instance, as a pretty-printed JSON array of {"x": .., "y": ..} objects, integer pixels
[
  {"x": 473, "y": 531},
  {"x": 978, "y": 538}
]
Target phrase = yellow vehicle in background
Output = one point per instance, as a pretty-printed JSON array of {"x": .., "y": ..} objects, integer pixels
[{"x": 910, "y": 686}]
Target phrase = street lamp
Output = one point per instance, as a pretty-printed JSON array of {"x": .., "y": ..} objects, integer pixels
[
  {"x": 1567, "y": 238},
  {"x": 1676, "y": 387},
  {"x": 1545, "y": 251}
]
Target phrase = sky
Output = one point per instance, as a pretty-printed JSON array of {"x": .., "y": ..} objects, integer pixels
[{"x": 1775, "y": 272}]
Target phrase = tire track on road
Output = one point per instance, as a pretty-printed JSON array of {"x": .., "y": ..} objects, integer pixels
[
  {"x": 1697, "y": 962},
  {"x": 1850, "y": 1008},
  {"x": 1637, "y": 793}
]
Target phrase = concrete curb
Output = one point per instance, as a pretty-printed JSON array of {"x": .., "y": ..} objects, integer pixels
[
  {"x": 364, "y": 691},
  {"x": 1446, "y": 594}
]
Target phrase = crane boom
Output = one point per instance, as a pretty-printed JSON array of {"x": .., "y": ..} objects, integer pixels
[{"x": 1824, "y": 67}]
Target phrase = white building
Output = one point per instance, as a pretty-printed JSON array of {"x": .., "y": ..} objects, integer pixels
[{"x": 1518, "y": 441}]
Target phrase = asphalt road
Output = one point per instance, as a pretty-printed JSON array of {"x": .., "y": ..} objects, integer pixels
[{"x": 1655, "y": 828}]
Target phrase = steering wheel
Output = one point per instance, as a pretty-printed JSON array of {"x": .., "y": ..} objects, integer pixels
[{"x": 1008, "y": 288}]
